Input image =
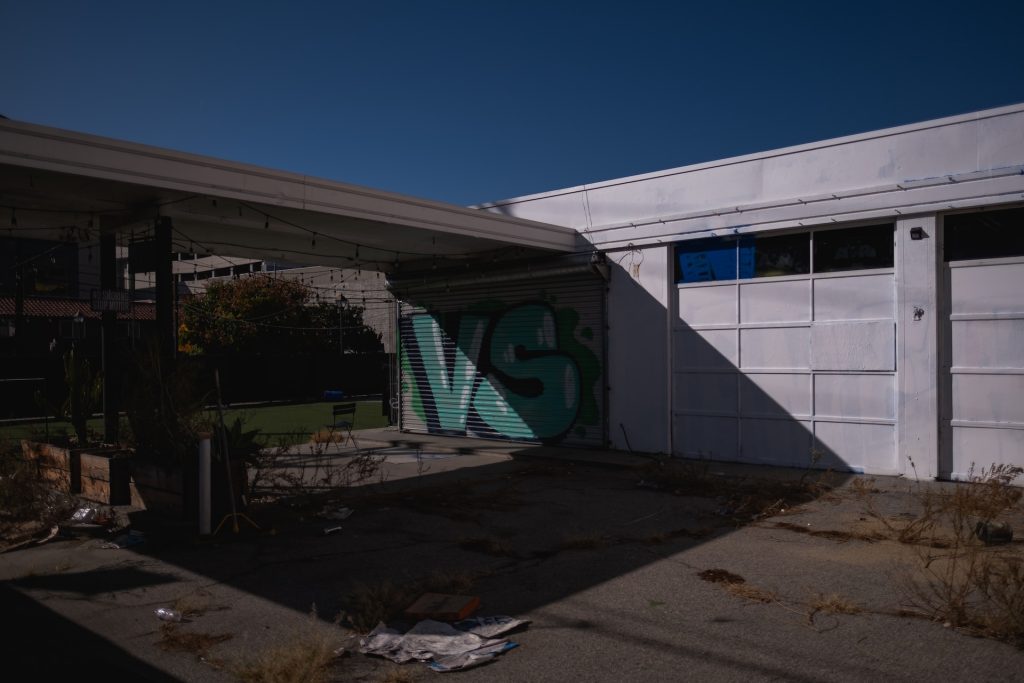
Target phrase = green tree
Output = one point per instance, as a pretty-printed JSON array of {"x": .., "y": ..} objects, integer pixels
[{"x": 264, "y": 315}]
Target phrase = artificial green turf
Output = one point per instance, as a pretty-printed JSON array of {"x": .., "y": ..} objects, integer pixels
[{"x": 278, "y": 424}]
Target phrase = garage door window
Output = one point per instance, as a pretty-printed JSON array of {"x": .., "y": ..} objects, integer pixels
[
  {"x": 729, "y": 258},
  {"x": 990, "y": 234}
]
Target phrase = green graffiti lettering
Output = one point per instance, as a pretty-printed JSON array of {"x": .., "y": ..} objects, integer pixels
[
  {"x": 532, "y": 390},
  {"x": 451, "y": 391}
]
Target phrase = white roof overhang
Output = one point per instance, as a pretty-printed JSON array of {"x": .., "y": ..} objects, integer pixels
[{"x": 62, "y": 184}]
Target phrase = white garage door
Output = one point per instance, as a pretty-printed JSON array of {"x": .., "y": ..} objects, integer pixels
[
  {"x": 784, "y": 349},
  {"x": 983, "y": 415}
]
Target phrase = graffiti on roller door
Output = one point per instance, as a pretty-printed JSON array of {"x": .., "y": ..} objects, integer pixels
[{"x": 520, "y": 372}]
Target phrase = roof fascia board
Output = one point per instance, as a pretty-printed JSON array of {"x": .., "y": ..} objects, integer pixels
[{"x": 39, "y": 147}]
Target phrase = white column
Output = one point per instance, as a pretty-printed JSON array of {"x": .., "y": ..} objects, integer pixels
[{"x": 918, "y": 320}]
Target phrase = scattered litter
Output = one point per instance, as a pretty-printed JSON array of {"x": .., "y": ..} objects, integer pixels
[
  {"x": 331, "y": 530},
  {"x": 167, "y": 614},
  {"x": 443, "y": 607},
  {"x": 994, "y": 532},
  {"x": 84, "y": 515},
  {"x": 489, "y": 627},
  {"x": 450, "y": 649},
  {"x": 132, "y": 538},
  {"x": 644, "y": 484},
  {"x": 339, "y": 514}
]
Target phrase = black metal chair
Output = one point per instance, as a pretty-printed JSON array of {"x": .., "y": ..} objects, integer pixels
[{"x": 343, "y": 416}]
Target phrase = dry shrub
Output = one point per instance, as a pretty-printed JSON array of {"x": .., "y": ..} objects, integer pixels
[
  {"x": 957, "y": 579},
  {"x": 28, "y": 503}
]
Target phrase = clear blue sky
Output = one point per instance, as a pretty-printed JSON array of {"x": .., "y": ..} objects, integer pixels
[{"x": 474, "y": 101}]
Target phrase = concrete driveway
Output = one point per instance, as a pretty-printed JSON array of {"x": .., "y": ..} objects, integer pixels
[{"x": 714, "y": 573}]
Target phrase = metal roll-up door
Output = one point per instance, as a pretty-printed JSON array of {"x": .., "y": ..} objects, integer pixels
[{"x": 517, "y": 359}]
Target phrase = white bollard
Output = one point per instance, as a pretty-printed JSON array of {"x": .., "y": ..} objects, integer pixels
[{"x": 204, "y": 484}]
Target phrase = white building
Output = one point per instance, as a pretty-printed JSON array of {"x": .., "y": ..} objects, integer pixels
[{"x": 857, "y": 303}]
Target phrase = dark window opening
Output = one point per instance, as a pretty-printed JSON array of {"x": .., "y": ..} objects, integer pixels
[
  {"x": 774, "y": 256},
  {"x": 854, "y": 249},
  {"x": 987, "y": 234},
  {"x": 222, "y": 272}
]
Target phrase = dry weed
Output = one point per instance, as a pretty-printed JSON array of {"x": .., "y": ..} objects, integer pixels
[
  {"x": 304, "y": 659},
  {"x": 831, "y": 604},
  {"x": 369, "y": 604},
  {"x": 957, "y": 579},
  {"x": 751, "y": 593}
]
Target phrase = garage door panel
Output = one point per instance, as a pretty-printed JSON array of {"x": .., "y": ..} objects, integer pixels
[
  {"x": 706, "y": 392},
  {"x": 776, "y": 442},
  {"x": 983, "y": 447},
  {"x": 988, "y": 343},
  {"x": 706, "y": 349},
  {"x": 772, "y": 302},
  {"x": 775, "y": 393},
  {"x": 988, "y": 398},
  {"x": 707, "y": 437},
  {"x": 862, "y": 447},
  {"x": 862, "y": 297},
  {"x": 854, "y": 346},
  {"x": 984, "y": 289},
  {"x": 776, "y": 347},
  {"x": 858, "y": 396},
  {"x": 709, "y": 305}
]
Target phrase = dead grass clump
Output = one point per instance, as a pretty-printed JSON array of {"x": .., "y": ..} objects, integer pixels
[
  {"x": 745, "y": 500},
  {"x": 488, "y": 545},
  {"x": 369, "y": 604},
  {"x": 831, "y": 604},
  {"x": 175, "y": 639},
  {"x": 734, "y": 584},
  {"x": 306, "y": 658},
  {"x": 751, "y": 593}
]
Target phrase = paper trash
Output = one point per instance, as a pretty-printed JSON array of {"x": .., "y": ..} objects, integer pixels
[{"x": 450, "y": 649}]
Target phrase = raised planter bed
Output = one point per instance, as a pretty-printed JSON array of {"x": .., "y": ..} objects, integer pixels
[
  {"x": 105, "y": 476},
  {"x": 57, "y": 465}
]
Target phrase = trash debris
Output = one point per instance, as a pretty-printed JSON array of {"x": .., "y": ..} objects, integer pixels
[
  {"x": 489, "y": 627},
  {"x": 167, "y": 614},
  {"x": 992, "y": 533},
  {"x": 443, "y": 607},
  {"x": 132, "y": 538},
  {"x": 84, "y": 515},
  {"x": 450, "y": 648},
  {"x": 331, "y": 530}
]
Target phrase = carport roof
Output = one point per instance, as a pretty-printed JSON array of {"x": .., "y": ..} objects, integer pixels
[{"x": 63, "y": 184}]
